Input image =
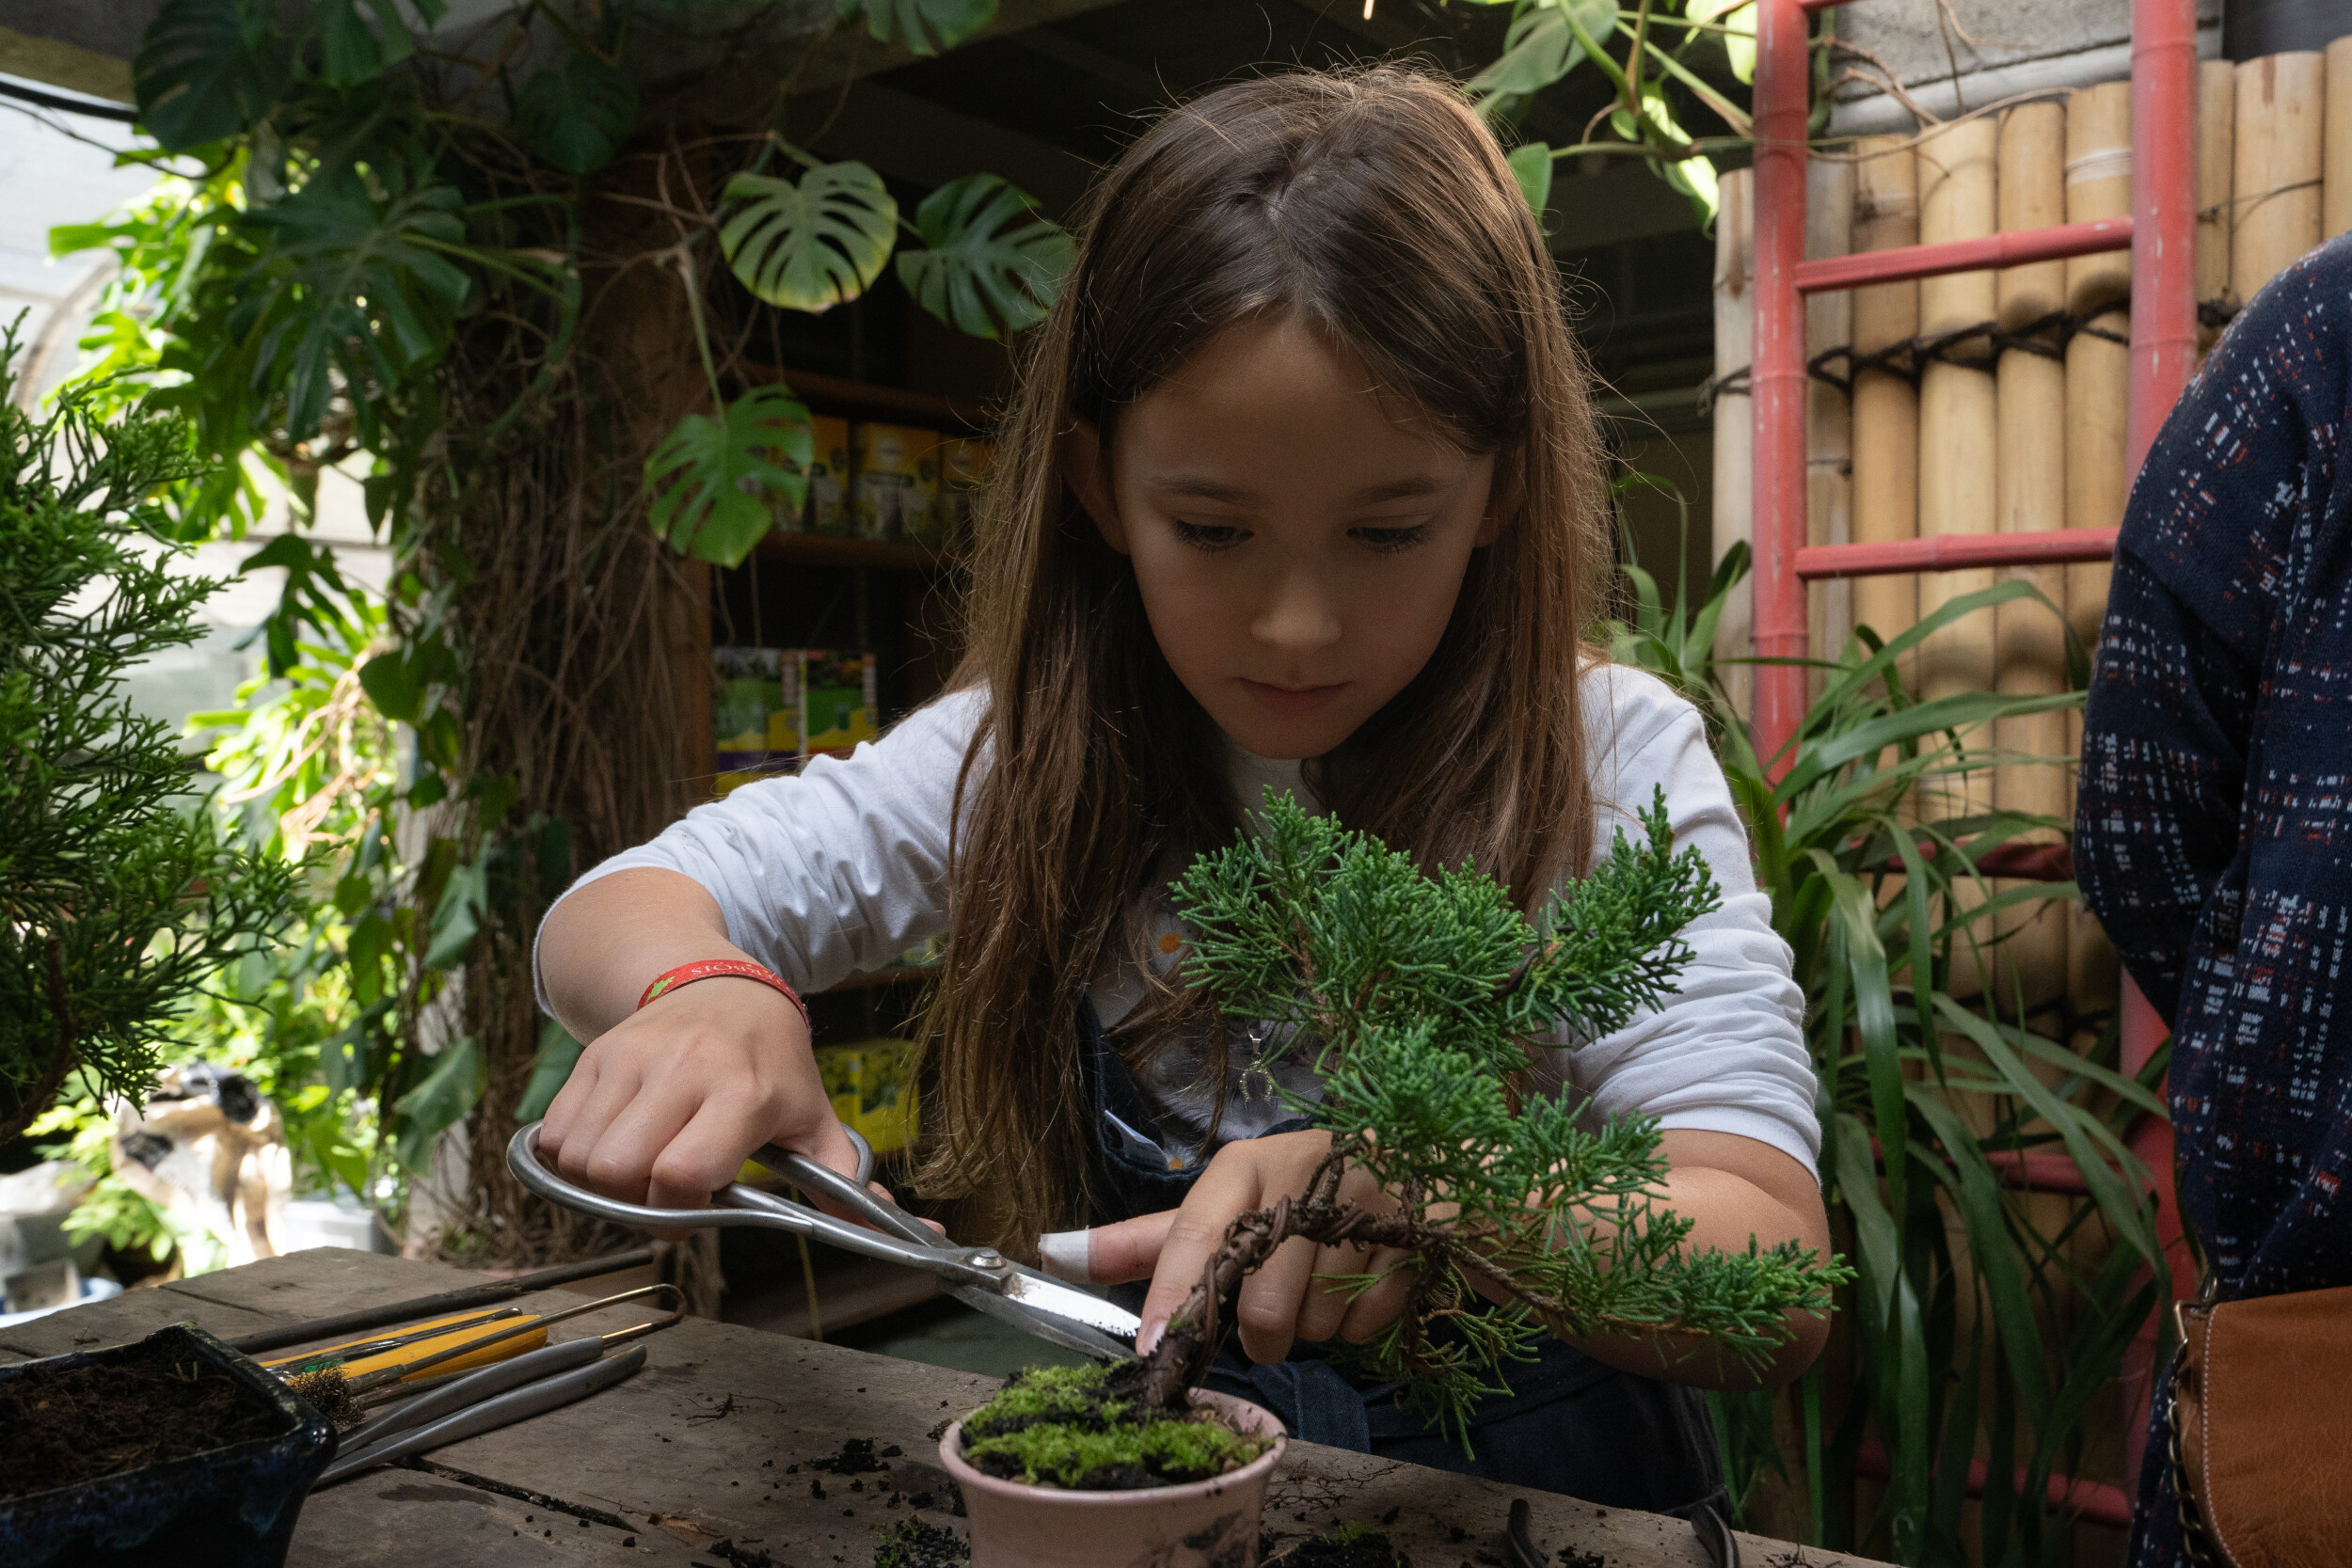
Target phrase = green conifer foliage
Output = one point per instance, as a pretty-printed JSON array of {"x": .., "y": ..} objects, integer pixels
[
  {"x": 1422, "y": 996},
  {"x": 118, "y": 898}
]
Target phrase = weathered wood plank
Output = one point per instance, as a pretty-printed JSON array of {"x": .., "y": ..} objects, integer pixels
[
  {"x": 402, "y": 1516},
  {"x": 706, "y": 1456}
]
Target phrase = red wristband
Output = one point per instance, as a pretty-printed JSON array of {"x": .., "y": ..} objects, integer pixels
[{"x": 710, "y": 969}]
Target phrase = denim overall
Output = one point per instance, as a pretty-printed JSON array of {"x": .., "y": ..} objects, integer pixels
[{"x": 1569, "y": 1424}]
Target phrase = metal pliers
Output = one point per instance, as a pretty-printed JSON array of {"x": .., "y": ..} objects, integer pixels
[{"x": 980, "y": 1277}]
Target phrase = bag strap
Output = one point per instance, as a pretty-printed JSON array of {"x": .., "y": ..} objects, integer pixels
[{"x": 2197, "y": 1542}]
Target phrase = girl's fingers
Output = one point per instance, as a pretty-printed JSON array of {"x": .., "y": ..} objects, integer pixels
[
  {"x": 1268, "y": 1311},
  {"x": 707, "y": 1153},
  {"x": 1109, "y": 1254},
  {"x": 1227, "y": 1188},
  {"x": 1379, "y": 1306},
  {"x": 564, "y": 1112},
  {"x": 1326, "y": 1301}
]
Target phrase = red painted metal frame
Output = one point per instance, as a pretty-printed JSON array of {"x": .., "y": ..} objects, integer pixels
[
  {"x": 2013, "y": 247},
  {"x": 2095, "y": 1501},
  {"x": 1955, "y": 552},
  {"x": 2162, "y": 236}
]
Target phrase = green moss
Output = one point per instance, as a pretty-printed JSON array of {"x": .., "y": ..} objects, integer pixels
[
  {"x": 1078, "y": 1428},
  {"x": 1079, "y": 1394}
]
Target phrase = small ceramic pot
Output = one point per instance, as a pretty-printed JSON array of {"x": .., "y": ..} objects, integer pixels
[{"x": 1201, "y": 1524}]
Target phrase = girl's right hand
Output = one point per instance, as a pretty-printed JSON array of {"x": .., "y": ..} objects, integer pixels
[{"x": 663, "y": 1107}]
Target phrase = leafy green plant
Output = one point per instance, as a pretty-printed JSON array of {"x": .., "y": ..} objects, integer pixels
[
  {"x": 1423, "y": 996},
  {"x": 369, "y": 254},
  {"x": 116, "y": 900},
  {"x": 1977, "y": 1332}
]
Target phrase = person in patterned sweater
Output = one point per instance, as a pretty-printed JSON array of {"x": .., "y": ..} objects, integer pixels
[{"x": 2212, "y": 833}]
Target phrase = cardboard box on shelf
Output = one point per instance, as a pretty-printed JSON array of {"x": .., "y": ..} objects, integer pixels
[
  {"x": 963, "y": 469},
  {"x": 746, "y": 692},
  {"x": 828, "y": 508},
  {"x": 894, "y": 480},
  {"x": 871, "y": 1084},
  {"x": 839, "y": 700}
]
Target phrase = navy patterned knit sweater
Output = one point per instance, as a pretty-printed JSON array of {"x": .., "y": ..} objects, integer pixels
[{"x": 2214, "y": 824}]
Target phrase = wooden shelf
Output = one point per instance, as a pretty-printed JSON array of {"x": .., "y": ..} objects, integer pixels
[
  {"x": 841, "y": 549},
  {"x": 839, "y": 394}
]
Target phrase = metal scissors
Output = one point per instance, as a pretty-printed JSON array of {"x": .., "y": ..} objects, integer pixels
[{"x": 980, "y": 1277}]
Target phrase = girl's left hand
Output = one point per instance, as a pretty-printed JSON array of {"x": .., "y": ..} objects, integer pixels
[{"x": 1283, "y": 1301}]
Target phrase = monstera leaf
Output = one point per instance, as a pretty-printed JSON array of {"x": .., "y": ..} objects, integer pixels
[
  {"x": 352, "y": 50},
  {"x": 577, "y": 117},
  {"x": 924, "y": 26},
  {"x": 811, "y": 245},
  {"x": 990, "y": 266},
  {"x": 352, "y": 292},
  {"x": 715, "y": 477},
  {"x": 206, "y": 68},
  {"x": 1541, "y": 48}
]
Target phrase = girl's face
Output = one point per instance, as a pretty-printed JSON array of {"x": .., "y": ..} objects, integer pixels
[{"x": 1298, "y": 539}]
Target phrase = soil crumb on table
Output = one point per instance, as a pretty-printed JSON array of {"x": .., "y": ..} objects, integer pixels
[
  {"x": 917, "y": 1545},
  {"x": 1348, "y": 1547},
  {"x": 62, "y": 1425}
]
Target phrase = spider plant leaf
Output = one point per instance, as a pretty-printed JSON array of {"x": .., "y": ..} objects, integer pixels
[
  {"x": 1969, "y": 1178},
  {"x": 990, "y": 266},
  {"x": 2131, "y": 1216},
  {"x": 811, "y": 245},
  {"x": 206, "y": 70},
  {"x": 715, "y": 480},
  {"x": 921, "y": 26}
]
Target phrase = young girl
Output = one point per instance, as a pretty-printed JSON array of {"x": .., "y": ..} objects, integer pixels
[{"x": 1301, "y": 488}]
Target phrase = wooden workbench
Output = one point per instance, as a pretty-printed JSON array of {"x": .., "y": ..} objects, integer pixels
[{"x": 688, "y": 1461}]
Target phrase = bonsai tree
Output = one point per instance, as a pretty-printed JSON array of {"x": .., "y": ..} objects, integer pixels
[
  {"x": 118, "y": 896},
  {"x": 1421, "y": 997}
]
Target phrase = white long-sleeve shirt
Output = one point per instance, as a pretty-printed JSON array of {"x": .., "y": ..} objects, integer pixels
[{"x": 843, "y": 867}]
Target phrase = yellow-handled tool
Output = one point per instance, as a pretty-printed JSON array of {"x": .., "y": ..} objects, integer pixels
[
  {"x": 445, "y": 1350},
  {"x": 421, "y": 1341}
]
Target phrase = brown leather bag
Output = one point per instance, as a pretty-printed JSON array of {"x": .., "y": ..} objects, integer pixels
[{"x": 2261, "y": 1430}]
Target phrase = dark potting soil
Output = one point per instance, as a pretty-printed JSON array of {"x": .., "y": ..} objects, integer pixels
[
  {"x": 917, "y": 1545},
  {"x": 1344, "y": 1548},
  {"x": 63, "y": 1425}
]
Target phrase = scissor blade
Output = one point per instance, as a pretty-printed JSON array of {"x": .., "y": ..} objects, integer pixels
[
  {"x": 1068, "y": 1333},
  {"x": 1044, "y": 1294}
]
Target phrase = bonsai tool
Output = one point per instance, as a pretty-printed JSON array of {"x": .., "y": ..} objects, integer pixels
[
  {"x": 584, "y": 1372},
  {"x": 980, "y": 1277},
  {"x": 448, "y": 1301},
  {"x": 336, "y": 1388}
]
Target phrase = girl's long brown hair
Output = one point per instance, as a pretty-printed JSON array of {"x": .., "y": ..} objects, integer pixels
[{"x": 1376, "y": 207}]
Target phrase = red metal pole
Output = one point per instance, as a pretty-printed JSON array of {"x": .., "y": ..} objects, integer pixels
[
  {"x": 1777, "y": 377},
  {"x": 2009, "y": 248},
  {"x": 2164, "y": 355}
]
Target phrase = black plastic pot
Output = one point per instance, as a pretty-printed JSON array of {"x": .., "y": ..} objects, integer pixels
[{"x": 233, "y": 1505}]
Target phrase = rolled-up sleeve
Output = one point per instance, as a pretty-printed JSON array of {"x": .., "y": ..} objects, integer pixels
[
  {"x": 833, "y": 871},
  {"x": 1725, "y": 1053}
]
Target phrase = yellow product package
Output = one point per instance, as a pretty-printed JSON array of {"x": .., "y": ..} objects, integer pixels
[
  {"x": 894, "y": 480},
  {"x": 840, "y": 702},
  {"x": 963, "y": 469},
  {"x": 828, "y": 509},
  {"x": 871, "y": 1084},
  {"x": 746, "y": 694}
]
